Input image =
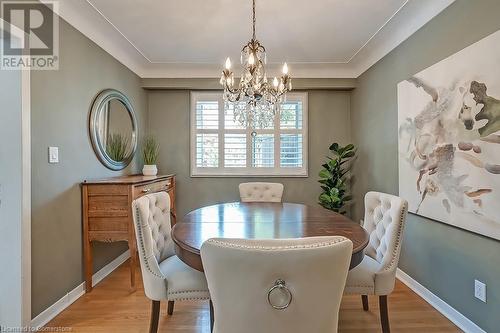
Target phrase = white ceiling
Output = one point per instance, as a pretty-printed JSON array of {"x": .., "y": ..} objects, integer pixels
[
  {"x": 192, "y": 38},
  {"x": 201, "y": 31}
]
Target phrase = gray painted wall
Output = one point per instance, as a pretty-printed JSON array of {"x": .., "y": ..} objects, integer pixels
[
  {"x": 169, "y": 121},
  {"x": 444, "y": 259},
  {"x": 60, "y": 106},
  {"x": 10, "y": 198}
]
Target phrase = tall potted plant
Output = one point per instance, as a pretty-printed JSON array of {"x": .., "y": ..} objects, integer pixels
[
  {"x": 150, "y": 153},
  {"x": 334, "y": 178}
]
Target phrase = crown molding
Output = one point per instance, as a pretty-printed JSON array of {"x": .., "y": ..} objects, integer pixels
[
  {"x": 408, "y": 20},
  {"x": 86, "y": 19},
  {"x": 213, "y": 84},
  {"x": 414, "y": 14},
  {"x": 302, "y": 70}
]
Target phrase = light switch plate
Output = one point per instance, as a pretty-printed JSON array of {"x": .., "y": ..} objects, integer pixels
[
  {"x": 480, "y": 290},
  {"x": 53, "y": 154}
]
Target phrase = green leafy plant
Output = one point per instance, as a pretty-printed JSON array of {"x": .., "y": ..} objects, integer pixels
[
  {"x": 150, "y": 151},
  {"x": 116, "y": 146},
  {"x": 334, "y": 178}
]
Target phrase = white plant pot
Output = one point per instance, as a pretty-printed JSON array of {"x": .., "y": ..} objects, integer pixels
[{"x": 150, "y": 170}]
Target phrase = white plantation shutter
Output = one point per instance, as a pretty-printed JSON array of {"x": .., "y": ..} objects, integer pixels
[
  {"x": 220, "y": 146},
  {"x": 263, "y": 151},
  {"x": 291, "y": 150},
  {"x": 207, "y": 151},
  {"x": 235, "y": 150},
  {"x": 291, "y": 115},
  {"x": 207, "y": 115}
]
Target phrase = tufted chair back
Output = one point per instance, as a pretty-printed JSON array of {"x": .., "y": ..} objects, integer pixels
[
  {"x": 261, "y": 192},
  {"x": 152, "y": 228},
  {"x": 385, "y": 216},
  {"x": 243, "y": 278}
]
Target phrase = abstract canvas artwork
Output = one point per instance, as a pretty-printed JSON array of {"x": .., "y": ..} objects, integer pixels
[{"x": 449, "y": 139}]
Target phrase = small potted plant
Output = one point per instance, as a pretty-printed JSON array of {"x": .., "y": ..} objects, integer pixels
[
  {"x": 116, "y": 147},
  {"x": 150, "y": 156}
]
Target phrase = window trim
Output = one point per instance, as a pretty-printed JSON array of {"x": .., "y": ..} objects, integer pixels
[{"x": 222, "y": 171}]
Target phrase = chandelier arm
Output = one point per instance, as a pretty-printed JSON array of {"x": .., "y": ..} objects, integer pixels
[{"x": 235, "y": 91}]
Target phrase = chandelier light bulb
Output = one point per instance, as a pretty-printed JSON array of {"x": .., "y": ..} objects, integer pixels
[
  {"x": 285, "y": 69},
  {"x": 251, "y": 59},
  {"x": 275, "y": 82},
  {"x": 228, "y": 63}
]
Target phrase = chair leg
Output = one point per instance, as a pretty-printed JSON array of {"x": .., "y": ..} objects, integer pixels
[
  {"x": 155, "y": 317},
  {"x": 170, "y": 308},
  {"x": 384, "y": 314},
  {"x": 364, "y": 299},
  {"x": 211, "y": 316}
]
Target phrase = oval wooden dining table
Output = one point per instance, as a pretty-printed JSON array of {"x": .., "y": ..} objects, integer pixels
[{"x": 262, "y": 221}]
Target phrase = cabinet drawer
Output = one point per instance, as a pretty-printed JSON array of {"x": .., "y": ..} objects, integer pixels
[
  {"x": 108, "y": 206},
  {"x": 141, "y": 190},
  {"x": 109, "y": 223},
  {"x": 107, "y": 190}
]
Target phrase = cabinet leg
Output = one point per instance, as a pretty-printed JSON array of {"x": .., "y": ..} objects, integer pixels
[
  {"x": 87, "y": 258},
  {"x": 133, "y": 265}
]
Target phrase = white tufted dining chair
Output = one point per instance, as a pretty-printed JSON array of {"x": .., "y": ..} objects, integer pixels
[
  {"x": 276, "y": 285},
  {"x": 385, "y": 216},
  {"x": 164, "y": 275},
  {"x": 261, "y": 192}
]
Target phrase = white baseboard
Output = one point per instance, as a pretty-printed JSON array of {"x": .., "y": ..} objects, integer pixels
[
  {"x": 464, "y": 323},
  {"x": 56, "y": 308}
]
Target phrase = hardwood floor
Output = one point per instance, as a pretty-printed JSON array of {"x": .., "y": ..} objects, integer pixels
[{"x": 111, "y": 307}]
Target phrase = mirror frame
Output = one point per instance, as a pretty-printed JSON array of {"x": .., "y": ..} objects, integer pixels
[{"x": 97, "y": 107}]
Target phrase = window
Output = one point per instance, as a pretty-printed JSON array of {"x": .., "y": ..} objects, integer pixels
[{"x": 220, "y": 146}]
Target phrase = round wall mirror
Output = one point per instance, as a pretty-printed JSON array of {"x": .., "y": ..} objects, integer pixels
[{"x": 113, "y": 129}]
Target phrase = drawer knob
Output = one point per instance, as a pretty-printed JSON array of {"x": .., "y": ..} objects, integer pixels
[{"x": 146, "y": 190}]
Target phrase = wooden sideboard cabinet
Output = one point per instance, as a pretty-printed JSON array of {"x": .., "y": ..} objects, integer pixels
[{"x": 107, "y": 213}]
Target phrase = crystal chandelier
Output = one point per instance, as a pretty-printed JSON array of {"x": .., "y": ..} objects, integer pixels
[{"x": 255, "y": 100}]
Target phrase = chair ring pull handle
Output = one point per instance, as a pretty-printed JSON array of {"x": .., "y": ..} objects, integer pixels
[{"x": 279, "y": 285}]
